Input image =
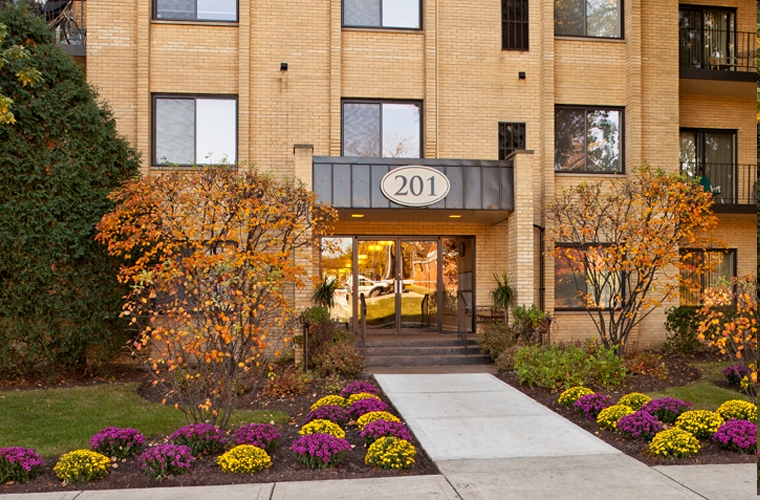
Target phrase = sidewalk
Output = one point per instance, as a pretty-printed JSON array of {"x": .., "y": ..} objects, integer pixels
[{"x": 490, "y": 442}]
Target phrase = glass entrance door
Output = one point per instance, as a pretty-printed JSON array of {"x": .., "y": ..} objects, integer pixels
[
  {"x": 375, "y": 277},
  {"x": 422, "y": 284},
  {"x": 418, "y": 273}
]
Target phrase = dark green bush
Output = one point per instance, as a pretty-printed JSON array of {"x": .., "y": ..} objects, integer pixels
[
  {"x": 59, "y": 297},
  {"x": 681, "y": 324},
  {"x": 531, "y": 324},
  {"x": 563, "y": 366}
]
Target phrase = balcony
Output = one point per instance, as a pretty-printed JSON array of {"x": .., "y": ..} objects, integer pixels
[
  {"x": 733, "y": 186},
  {"x": 67, "y": 17},
  {"x": 717, "y": 62}
]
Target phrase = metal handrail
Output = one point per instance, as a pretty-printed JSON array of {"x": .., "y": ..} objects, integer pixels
[
  {"x": 718, "y": 49},
  {"x": 462, "y": 320},
  {"x": 730, "y": 183},
  {"x": 363, "y": 321}
]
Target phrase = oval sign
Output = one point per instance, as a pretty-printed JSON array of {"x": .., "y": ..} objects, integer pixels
[{"x": 415, "y": 186}]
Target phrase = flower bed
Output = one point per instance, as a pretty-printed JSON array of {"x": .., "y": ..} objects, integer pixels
[{"x": 207, "y": 469}]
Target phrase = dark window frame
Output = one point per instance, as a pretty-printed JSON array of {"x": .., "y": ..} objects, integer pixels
[
  {"x": 581, "y": 307},
  {"x": 702, "y": 61},
  {"x": 380, "y": 26},
  {"x": 351, "y": 100},
  {"x": 621, "y": 134},
  {"x": 166, "y": 95},
  {"x": 702, "y": 283},
  {"x": 621, "y": 8},
  {"x": 195, "y": 19},
  {"x": 515, "y": 32},
  {"x": 504, "y": 150}
]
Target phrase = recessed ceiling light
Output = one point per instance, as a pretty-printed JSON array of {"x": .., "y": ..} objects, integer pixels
[
  {"x": 357, "y": 216},
  {"x": 455, "y": 216}
]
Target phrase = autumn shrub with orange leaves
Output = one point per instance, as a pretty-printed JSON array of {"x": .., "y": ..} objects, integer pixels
[
  {"x": 617, "y": 244},
  {"x": 729, "y": 322},
  {"x": 212, "y": 257}
]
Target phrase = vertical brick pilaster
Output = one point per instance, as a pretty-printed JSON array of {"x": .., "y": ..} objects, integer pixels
[{"x": 520, "y": 227}]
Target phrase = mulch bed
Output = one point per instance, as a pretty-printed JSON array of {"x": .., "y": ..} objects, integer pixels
[
  {"x": 680, "y": 372},
  {"x": 285, "y": 465}
]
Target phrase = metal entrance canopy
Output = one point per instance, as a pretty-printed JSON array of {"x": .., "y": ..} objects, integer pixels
[{"x": 355, "y": 183}]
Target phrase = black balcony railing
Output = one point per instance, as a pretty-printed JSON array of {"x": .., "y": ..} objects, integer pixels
[
  {"x": 67, "y": 17},
  {"x": 718, "y": 49},
  {"x": 731, "y": 184}
]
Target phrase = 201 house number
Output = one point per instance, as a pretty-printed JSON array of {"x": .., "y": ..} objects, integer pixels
[{"x": 415, "y": 186}]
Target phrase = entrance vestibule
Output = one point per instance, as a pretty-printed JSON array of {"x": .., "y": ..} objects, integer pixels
[{"x": 414, "y": 284}]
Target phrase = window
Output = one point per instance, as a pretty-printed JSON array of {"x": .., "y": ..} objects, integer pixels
[
  {"x": 593, "y": 18},
  {"x": 195, "y": 10},
  {"x": 514, "y": 24},
  {"x": 382, "y": 13},
  {"x": 574, "y": 280},
  {"x": 710, "y": 155},
  {"x": 511, "y": 138},
  {"x": 707, "y": 37},
  {"x": 191, "y": 130},
  {"x": 718, "y": 266},
  {"x": 382, "y": 129},
  {"x": 588, "y": 140}
]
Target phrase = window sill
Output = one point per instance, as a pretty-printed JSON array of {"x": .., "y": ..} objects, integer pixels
[
  {"x": 195, "y": 23},
  {"x": 379, "y": 29},
  {"x": 588, "y": 39},
  {"x": 589, "y": 174}
]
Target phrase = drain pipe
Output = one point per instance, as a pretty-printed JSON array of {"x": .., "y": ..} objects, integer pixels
[{"x": 541, "y": 267}]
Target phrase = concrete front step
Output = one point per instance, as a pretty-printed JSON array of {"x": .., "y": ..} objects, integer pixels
[
  {"x": 451, "y": 360},
  {"x": 446, "y": 350}
]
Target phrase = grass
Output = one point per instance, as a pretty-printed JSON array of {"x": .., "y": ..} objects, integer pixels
[
  {"x": 55, "y": 421},
  {"x": 704, "y": 394}
]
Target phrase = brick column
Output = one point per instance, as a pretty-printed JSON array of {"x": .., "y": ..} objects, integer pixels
[
  {"x": 521, "y": 260},
  {"x": 303, "y": 164}
]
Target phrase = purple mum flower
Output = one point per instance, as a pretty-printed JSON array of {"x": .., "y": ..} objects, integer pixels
[
  {"x": 319, "y": 451},
  {"x": 737, "y": 435},
  {"x": 382, "y": 428},
  {"x": 333, "y": 413},
  {"x": 591, "y": 404},
  {"x": 666, "y": 410},
  {"x": 639, "y": 425},
  {"x": 358, "y": 386},
  {"x": 362, "y": 406},
  {"x": 19, "y": 464},
  {"x": 165, "y": 460},
  {"x": 735, "y": 373},
  {"x": 264, "y": 436},
  {"x": 201, "y": 438},
  {"x": 117, "y": 442}
]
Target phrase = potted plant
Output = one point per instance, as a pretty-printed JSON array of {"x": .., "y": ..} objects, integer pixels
[
  {"x": 503, "y": 296},
  {"x": 324, "y": 292}
]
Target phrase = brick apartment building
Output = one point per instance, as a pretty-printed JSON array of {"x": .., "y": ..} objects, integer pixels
[{"x": 503, "y": 102}]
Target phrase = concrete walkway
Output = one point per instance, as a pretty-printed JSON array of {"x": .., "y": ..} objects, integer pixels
[{"x": 489, "y": 441}]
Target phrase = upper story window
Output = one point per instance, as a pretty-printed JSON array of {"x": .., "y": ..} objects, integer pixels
[
  {"x": 191, "y": 130},
  {"x": 588, "y": 139},
  {"x": 708, "y": 38},
  {"x": 514, "y": 24},
  {"x": 592, "y": 18},
  {"x": 382, "y": 13},
  {"x": 391, "y": 129},
  {"x": 705, "y": 269},
  {"x": 195, "y": 10},
  {"x": 511, "y": 138}
]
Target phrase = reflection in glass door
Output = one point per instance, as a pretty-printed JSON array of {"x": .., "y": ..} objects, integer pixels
[
  {"x": 376, "y": 278},
  {"x": 419, "y": 290},
  {"x": 409, "y": 284}
]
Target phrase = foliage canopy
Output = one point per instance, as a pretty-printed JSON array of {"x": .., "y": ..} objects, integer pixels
[{"x": 60, "y": 156}]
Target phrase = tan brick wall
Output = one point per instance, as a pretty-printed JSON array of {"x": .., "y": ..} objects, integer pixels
[{"x": 455, "y": 65}]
